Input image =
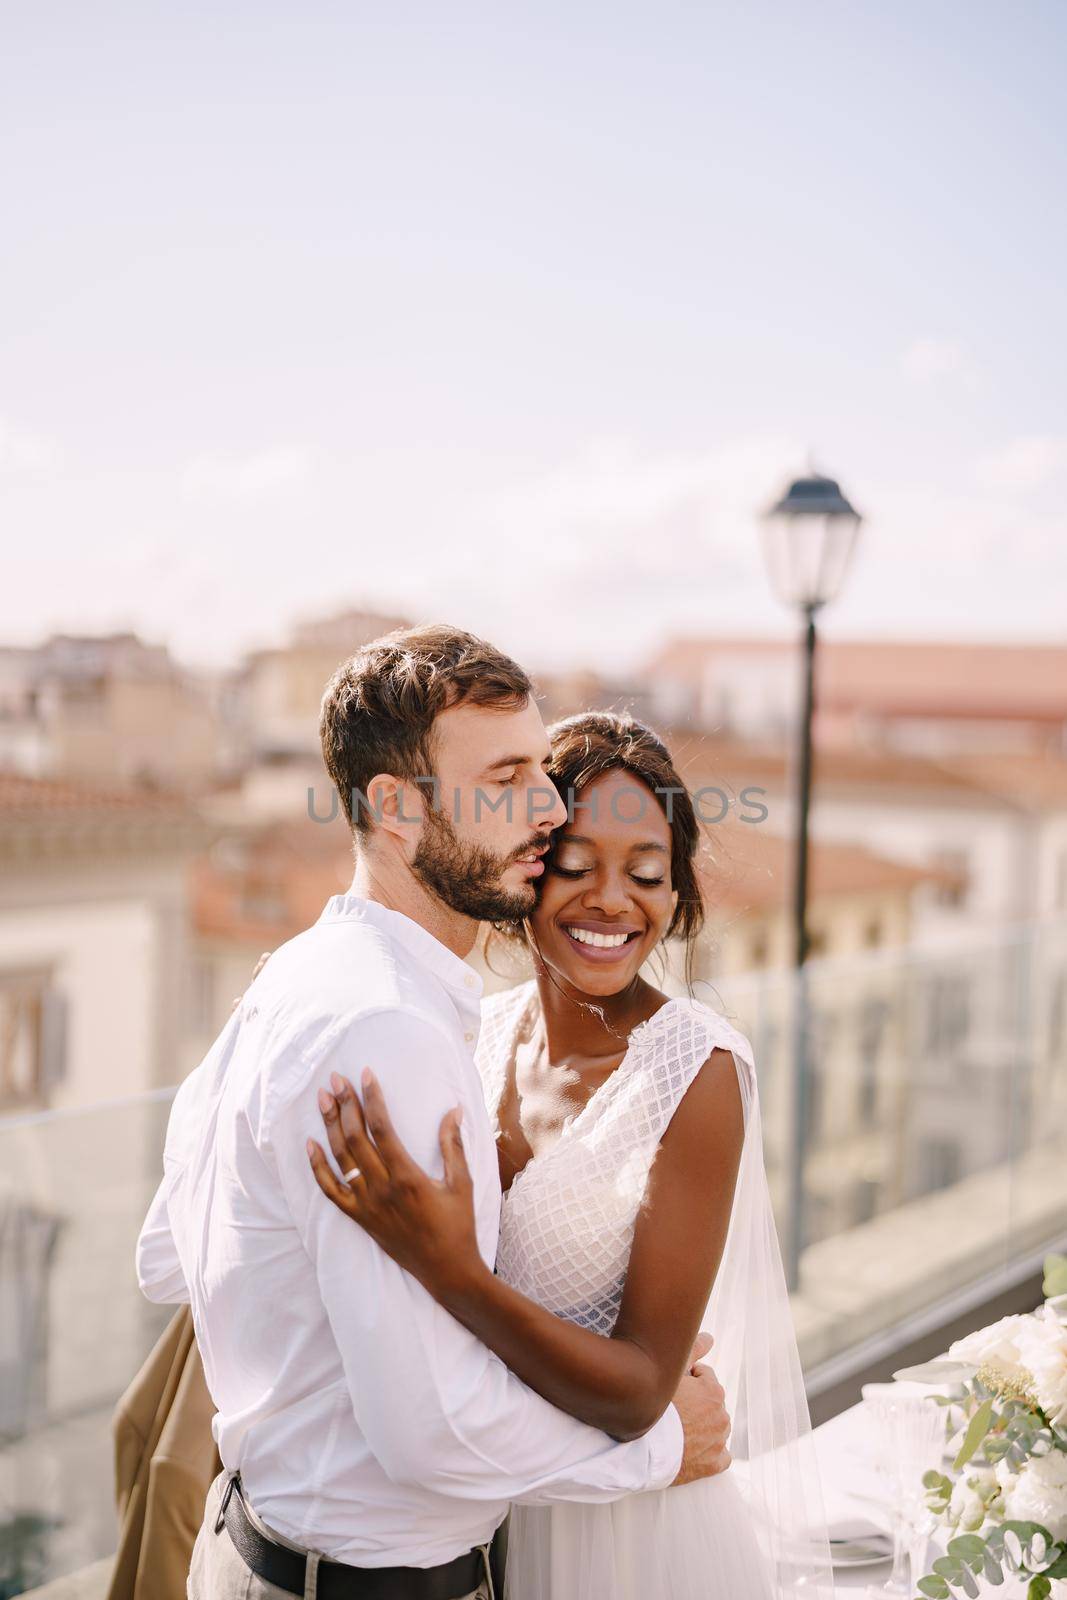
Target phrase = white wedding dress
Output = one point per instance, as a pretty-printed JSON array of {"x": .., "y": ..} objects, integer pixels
[{"x": 753, "y": 1532}]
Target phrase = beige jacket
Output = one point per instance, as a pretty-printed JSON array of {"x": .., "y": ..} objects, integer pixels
[{"x": 165, "y": 1460}]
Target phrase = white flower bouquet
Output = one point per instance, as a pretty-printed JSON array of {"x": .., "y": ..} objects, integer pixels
[{"x": 1008, "y": 1500}]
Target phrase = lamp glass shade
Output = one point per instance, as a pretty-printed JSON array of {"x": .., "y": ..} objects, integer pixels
[{"x": 808, "y": 540}]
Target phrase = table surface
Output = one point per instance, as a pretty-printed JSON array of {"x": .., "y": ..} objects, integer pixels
[{"x": 853, "y": 1493}]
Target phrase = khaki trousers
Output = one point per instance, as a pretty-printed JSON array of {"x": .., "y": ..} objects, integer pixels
[{"x": 218, "y": 1572}]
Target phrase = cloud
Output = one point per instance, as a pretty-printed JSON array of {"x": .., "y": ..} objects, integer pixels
[
  {"x": 612, "y": 488},
  {"x": 926, "y": 360},
  {"x": 24, "y": 452},
  {"x": 588, "y": 559},
  {"x": 1028, "y": 462},
  {"x": 247, "y": 478}
]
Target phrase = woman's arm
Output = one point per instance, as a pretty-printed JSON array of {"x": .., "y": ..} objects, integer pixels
[{"x": 621, "y": 1384}]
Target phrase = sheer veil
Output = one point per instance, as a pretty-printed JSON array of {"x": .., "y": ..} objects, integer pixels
[{"x": 756, "y": 1359}]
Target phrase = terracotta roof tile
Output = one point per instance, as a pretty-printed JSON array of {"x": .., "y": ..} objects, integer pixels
[
  {"x": 749, "y": 868},
  {"x": 1028, "y": 779},
  {"x": 39, "y": 796},
  {"x": 902, "y": 676},
  {"x": 265, "y": 884}
]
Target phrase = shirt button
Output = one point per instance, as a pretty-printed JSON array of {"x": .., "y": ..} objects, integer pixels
[{"x": 469, "y": 1037}]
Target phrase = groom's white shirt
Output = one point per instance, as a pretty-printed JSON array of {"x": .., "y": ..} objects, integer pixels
[{"x": 366, "y": 1422}]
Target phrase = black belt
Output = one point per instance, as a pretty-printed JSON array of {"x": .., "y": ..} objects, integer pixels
[{"x": 286, "y": 1568}]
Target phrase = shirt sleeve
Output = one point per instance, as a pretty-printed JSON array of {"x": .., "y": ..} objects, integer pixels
[
  {"x": 159, "y": 1271},
  {"x": 436, "y": 1406}
]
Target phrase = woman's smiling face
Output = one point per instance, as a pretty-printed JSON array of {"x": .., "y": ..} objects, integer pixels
[{"x": 606, "y": 898}]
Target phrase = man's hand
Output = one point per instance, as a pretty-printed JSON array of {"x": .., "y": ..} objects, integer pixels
[{"x": 700, "y": 1400}]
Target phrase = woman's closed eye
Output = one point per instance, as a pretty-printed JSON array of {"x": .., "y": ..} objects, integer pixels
[{"x": 582, "y": 872}]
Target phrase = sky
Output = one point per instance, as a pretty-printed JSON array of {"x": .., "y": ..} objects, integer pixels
[{"x": 516, "y": 316}]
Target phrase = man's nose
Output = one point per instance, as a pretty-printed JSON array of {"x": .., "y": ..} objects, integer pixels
[{"x": 550, "y": 811}]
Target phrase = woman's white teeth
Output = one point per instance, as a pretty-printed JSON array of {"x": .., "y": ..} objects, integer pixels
[{"x": 603, "y": 941}]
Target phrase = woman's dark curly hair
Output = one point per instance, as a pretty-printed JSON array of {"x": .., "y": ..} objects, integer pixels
[{"x": 591, "y": 743}]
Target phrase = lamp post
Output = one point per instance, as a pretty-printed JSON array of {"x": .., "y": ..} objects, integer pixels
[{"x": 808, "y": 537}]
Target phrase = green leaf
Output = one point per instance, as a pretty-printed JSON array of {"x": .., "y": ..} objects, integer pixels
[
  {"x": 977, "y": 1429},
  {"x": 1055, "y": 1276},
  {"x": 1038, "y": 1588},
  {"x": 1024, "y": 1531},
  {"x": 935, "y": 1588},
  {"x": 1058, "y": 1568},
  {"x": 968, "y": 1547},
  {"x": 992, "y": 1570}
]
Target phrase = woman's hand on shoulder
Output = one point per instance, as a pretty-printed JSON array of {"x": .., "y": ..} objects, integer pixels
[{"x": 425, "y": 1224}]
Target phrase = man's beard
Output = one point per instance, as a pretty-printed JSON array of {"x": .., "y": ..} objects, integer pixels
[{"x": 467, "y": 876}]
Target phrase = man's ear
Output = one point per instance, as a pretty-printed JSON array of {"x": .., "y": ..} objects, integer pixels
[{"x": 396, "y": 807}]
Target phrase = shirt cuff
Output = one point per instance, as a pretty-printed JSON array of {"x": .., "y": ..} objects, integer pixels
[{"x": 665, "y": 1444}]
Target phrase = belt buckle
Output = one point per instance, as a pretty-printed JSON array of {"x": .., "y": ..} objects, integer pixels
[{"x": 220, "y": 1520}]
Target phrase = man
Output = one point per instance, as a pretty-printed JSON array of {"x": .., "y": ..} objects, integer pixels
[{"x": 371, "y": 1445}]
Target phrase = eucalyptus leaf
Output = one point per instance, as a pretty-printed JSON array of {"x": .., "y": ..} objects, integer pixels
[
  {"x": 977, "y": 1429},
  {"x": 992, "y": 1570},
  {"x": 967, "y": 1546}
]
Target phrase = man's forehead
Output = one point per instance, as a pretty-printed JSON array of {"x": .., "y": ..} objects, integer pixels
[{"x": 491, "y": 733}]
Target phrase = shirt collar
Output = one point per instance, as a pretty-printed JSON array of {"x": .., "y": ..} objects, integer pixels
[{"x": 458, "y": 976}]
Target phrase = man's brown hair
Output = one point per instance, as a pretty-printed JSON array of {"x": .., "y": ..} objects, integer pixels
[{"x": 379, "y": 707}]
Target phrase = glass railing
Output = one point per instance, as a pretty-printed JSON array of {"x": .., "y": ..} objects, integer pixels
[
  {"x": 74, "y": 1189},
  {"x": 930, "y": 1143},
  {"x": 932, "y": 1160}
]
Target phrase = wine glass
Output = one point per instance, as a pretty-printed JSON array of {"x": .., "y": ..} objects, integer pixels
[{"x": 909, "y": 1428}]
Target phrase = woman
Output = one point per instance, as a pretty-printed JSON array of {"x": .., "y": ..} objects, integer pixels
[{"x": 636, "y": 1211}]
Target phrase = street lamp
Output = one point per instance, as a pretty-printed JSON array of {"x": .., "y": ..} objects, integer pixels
[{"x": 808, "y": 538}]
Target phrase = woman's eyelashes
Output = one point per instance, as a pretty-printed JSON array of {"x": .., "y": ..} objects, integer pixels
[{"x": 583, "y": 872}]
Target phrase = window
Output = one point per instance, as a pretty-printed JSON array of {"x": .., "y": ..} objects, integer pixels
[
  {"x": 813, "y": 1106},
  {"x": 1057, "y": 1017},
  {"x": 864, "y": 1201},
  {"x": 958, "y": 863},
  {"x": 32, "y": 1039},
  {"x": 873, "y": 1025},
  {"x": 948, "y": 1012},
  {"x": 939, "y": 1164}
]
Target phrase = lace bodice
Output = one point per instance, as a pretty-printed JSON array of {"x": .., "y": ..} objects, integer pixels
[{"x": 567, "y": 1222}]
